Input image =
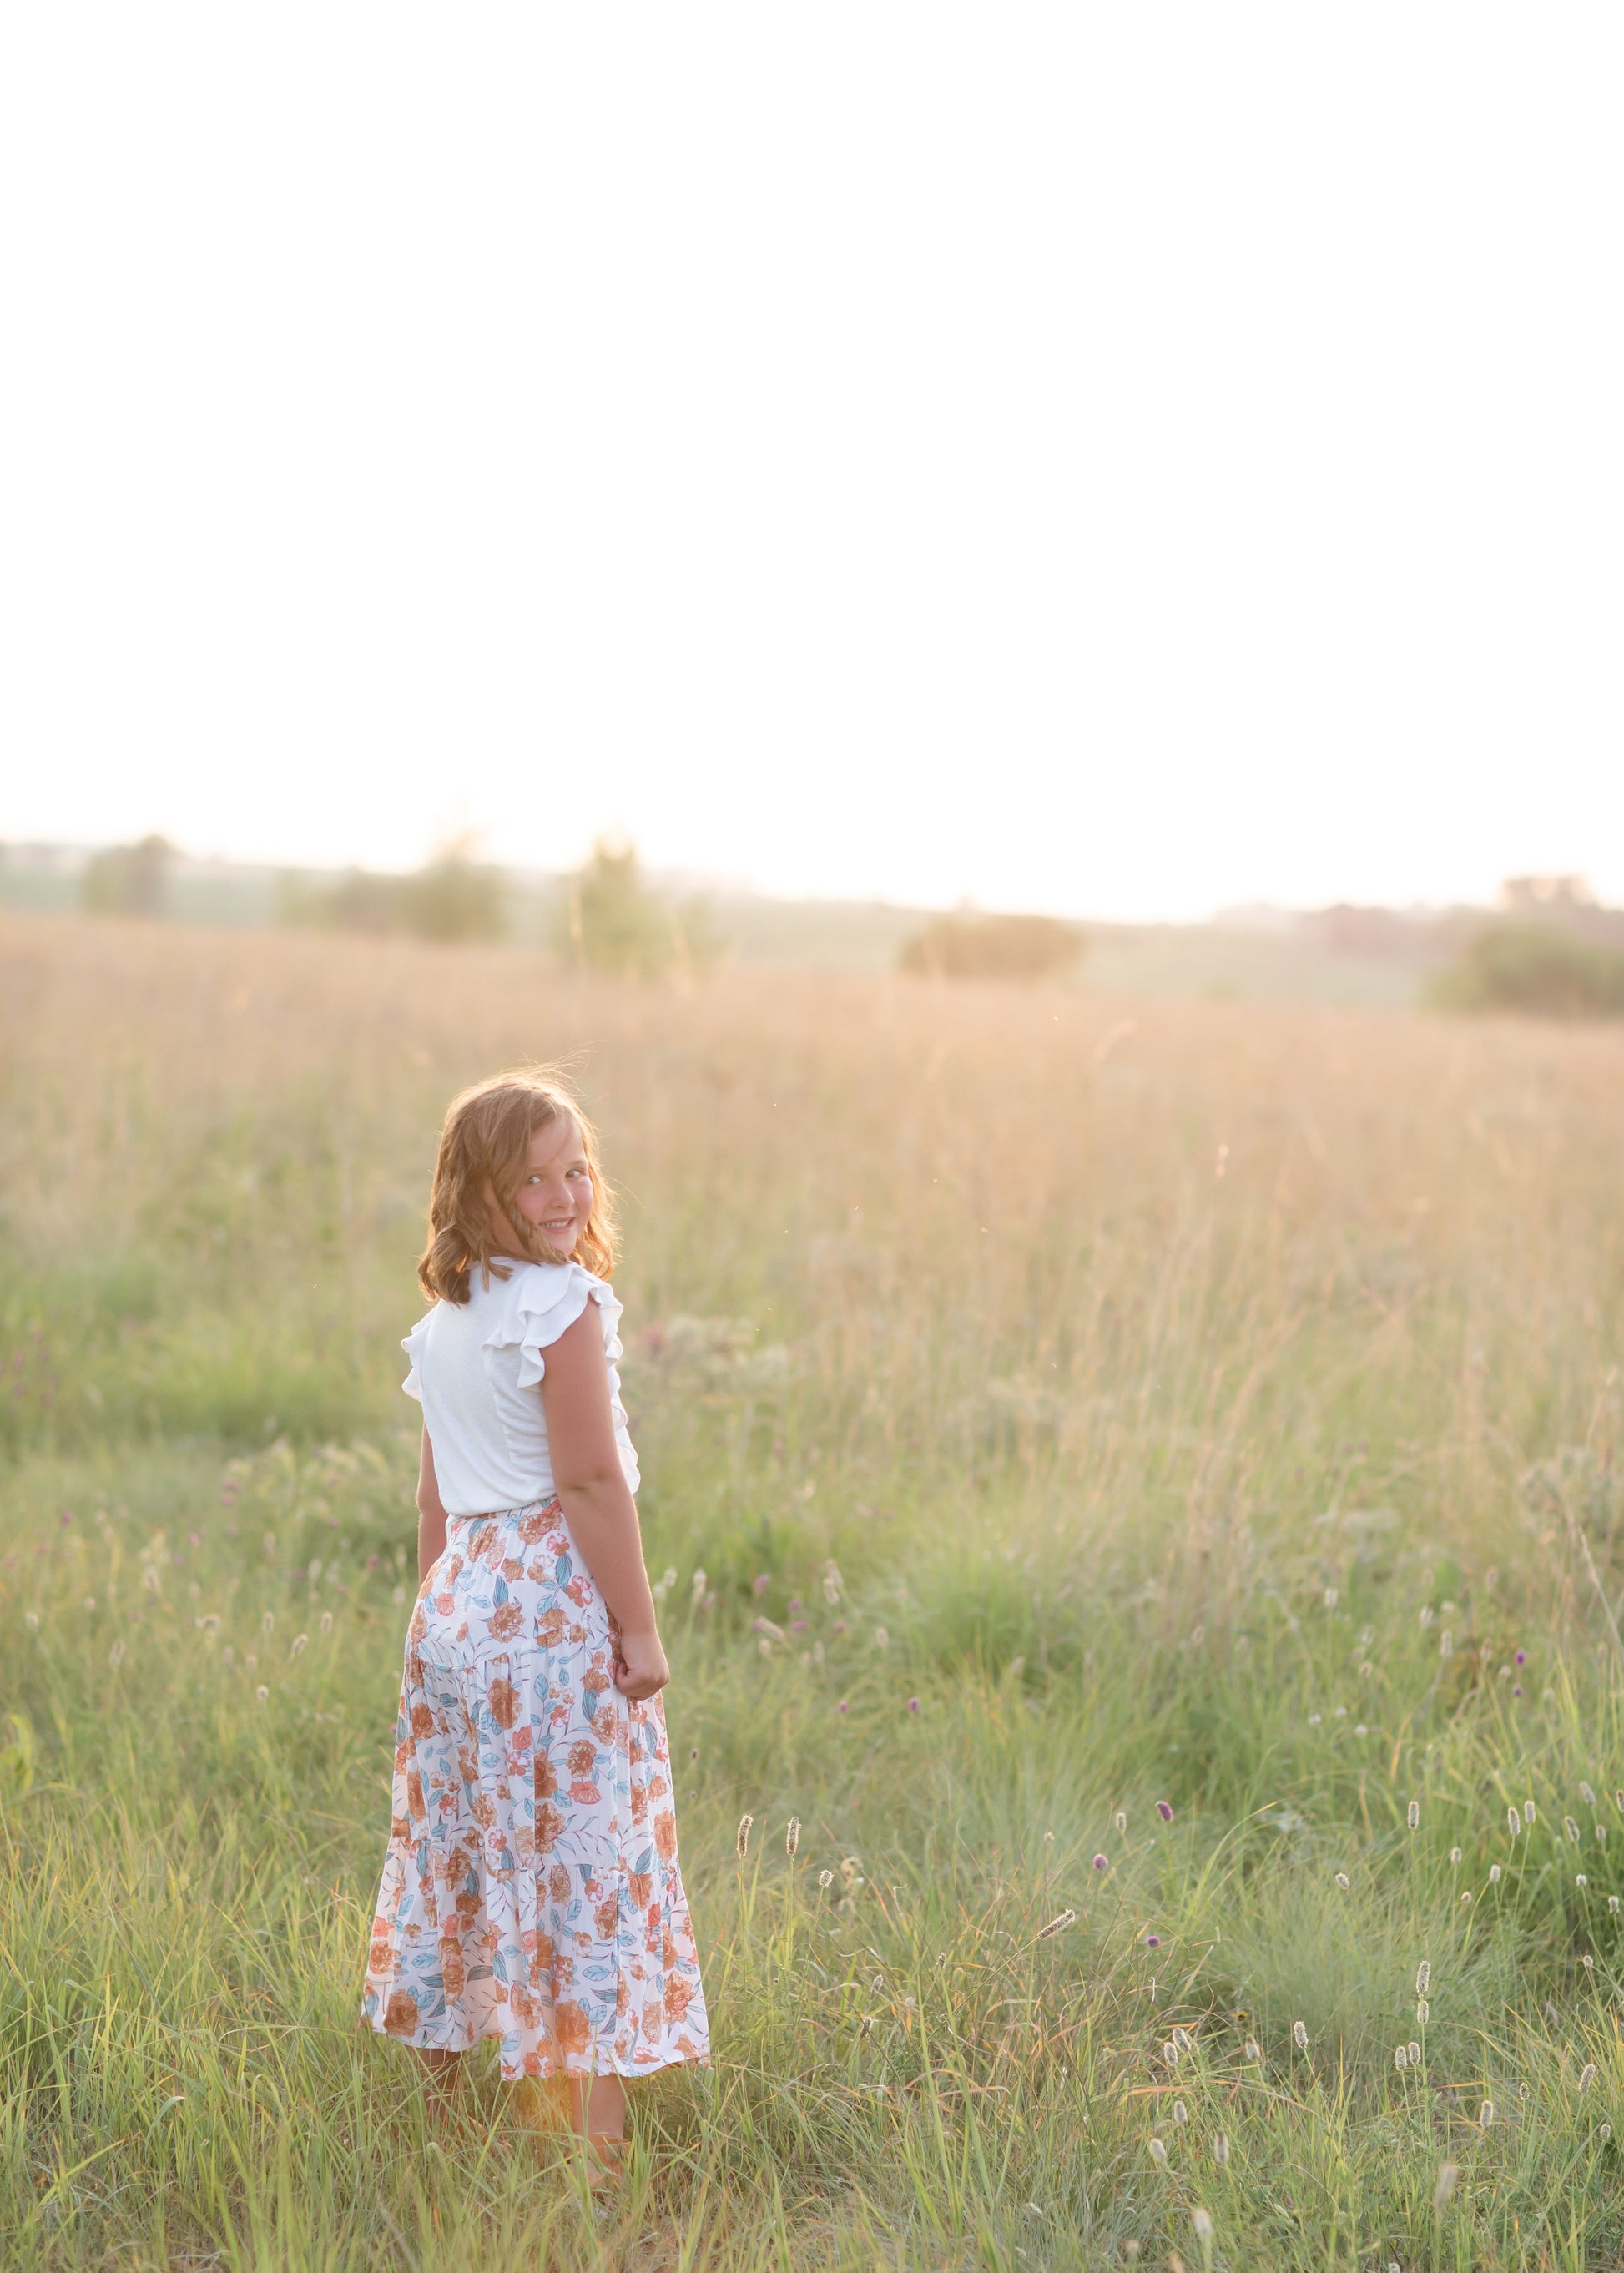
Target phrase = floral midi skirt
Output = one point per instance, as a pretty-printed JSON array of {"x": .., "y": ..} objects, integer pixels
[{"x": 531, "y": 1890}]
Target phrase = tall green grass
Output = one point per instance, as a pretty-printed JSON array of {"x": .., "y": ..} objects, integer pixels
[{"x": 1048, "y": 1413}]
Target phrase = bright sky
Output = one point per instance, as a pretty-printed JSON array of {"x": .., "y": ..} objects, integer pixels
[{"x": 1114, "y": 459}]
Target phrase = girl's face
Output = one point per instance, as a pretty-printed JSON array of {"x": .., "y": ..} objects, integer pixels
[{"x": 555, "y": 1191}]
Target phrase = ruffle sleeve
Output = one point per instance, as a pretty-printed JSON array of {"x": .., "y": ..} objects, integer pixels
[
  {"x": 543, "y": 1301},
  {"x": 414, "y": 1345}
]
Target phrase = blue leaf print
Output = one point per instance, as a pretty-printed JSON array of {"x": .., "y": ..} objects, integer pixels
[
  {"x": 563, "y": 1570},
  {"x": 498, "y": 1592},
  {"x": 589, "y": 1702},
  {"x": 644, "y": 1864}
]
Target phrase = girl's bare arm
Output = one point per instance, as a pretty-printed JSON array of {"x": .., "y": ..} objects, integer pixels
[
  {"x": 431, "y": 1514},
  {"x": 593, "y": 1491}
]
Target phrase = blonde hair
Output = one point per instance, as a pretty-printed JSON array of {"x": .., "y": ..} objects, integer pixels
[{"x": 484, "y": 1149}]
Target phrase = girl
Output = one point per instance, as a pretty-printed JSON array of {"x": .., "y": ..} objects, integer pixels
[{"x": 531, "y": 1889}]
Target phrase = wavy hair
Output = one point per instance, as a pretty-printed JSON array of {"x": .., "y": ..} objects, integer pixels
[{"x": 484, "y": 1149}]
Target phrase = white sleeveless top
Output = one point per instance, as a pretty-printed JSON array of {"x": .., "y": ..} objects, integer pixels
[{"x": 477, "y": 1369}]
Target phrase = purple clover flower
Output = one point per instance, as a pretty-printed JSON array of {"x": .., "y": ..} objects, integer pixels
[
  {"x": 1164, "y": 1811},
  {"x": 1100, "y": 1863}
]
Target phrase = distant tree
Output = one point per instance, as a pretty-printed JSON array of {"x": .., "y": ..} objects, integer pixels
[
  {"x": 452, "y": 898},
  {"x": 967, "y": 946},
  {"x": 129, "y": 879},
  {"x": 611, "y": 920},
  {"x": 1538, "y": 969}
]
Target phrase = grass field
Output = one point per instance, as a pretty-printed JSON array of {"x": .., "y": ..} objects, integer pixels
[{"x": 1050, "y": 1407}]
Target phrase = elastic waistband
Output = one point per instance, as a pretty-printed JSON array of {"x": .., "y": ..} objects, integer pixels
[{"x": 511, "y": 1514}]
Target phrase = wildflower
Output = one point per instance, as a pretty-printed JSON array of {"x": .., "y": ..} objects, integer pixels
[
  {"x": 1359, "y": 1729},
  {"x": 1299, "y": 2035},
  {"x": 1586, "y": 1794},
  {"x": 762, "y": 1583},
  {"x": 1494, "y": 1874},
  {"x": 1514, "y": 1821},
  {"x": 1466, "y": 1897},
  {"x": 1613, "y": 1904},
  {"x": 743, "y": 1842},
  {"x": 1181, "y": 2114},
  {"x": 1314, "y": 1719},
  {"x": 262, "y": 1693},
  {"x": 1522, "y": 2091},
  {"x": 1221, "y": 2148},
  {"x": 1401, "y": 2059},
  {"x": 1164, "y": 1811},
  {"x": 1588, "y": 1961},
  {"x": 1454, "y": 1856},
  {"x": 1424, "y": 2010},
  {"x": 1605, "y": 2133},
  {"x": 1424, "y": 1977},
  {"x": 1057, "y": 1925},
  {"x": 1448, "y": 2173},
  {"x": 1413, "y": 1815},
  {"x": 301, "y": 1642},
  {"x": 1579, "y": 1880},
  {"x": 1520, "y": 1657},
  {"x": 1587, "y": 2075},
  {"x": 826, "y": 1878},
  {"x": 1343, "y": 1880},
  {"x": 792, "y": 1834},
  {"x": 1528, "y": 1813},
  {"x": 1571, "y": 1828},
  {"x": 912, "y": 1704},
  {"x": 842, "y": 1706},
  {"x": 1202, "y": 2221},
  {"x": 1121, "y": 1820},
  {"x": 1414, "y": 2050},
  {"x": 1100, "y": 1863},
  {"x": 1252, "y": 2052},
  {"x": 1485, "y": 2115},
  {"x": 1153, "y": 1941}
]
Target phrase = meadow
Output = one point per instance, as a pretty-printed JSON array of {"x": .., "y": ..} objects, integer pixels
[{"x": 1133, "y": 1481}]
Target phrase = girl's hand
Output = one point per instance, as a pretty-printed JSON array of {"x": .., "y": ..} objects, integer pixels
[{"x": 640, "y": 1666}]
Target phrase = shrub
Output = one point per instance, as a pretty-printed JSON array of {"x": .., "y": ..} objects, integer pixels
[
  {"x": 1535, "y": 969},
  {"x": 453, "y": 897},
  {"x": 612, "y": 921},
  {"x": 964, "y": 946},
  {"x": 129, "y": 879}
]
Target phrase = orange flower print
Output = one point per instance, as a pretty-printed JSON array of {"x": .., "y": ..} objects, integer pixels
[
  {"x": 572, "y": 2026},
  {"x": 525, "y": 1790},
  {"x": 400, "y": 2016}
]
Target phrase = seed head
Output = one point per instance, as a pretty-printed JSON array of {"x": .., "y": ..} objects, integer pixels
[
  {"x": 1613, "y": 1904},
  {"x": 1588, "y": 1961},
  {"x": 1522, "y": 2091},
  {"x": 1454, "y": 1856},
  {"x": 1586, "y": 1794},
  {"x": 262, "y": 1693},
  {"x": 1252, "y": 2052},
  {"x": 1424, "y": 1977},
  {"x": 1413, "y": 1815},
  {"x": 116, "y": 1657},
  {"x": 267, "y": 1622},
  {"x": 1448, "y": 2173},
  {"x": 1527, "y": 1812},
  {"x": 1300, "y": 2035},
  {"x": 1514, "y": 1821},
  {"x": 300, "y": 1643},
  {"x": 1466, "y": 1897},
  {"x": 1494, "y": 1874},
  {"x": 1571, "y": 1828},
  {"x": 1057, "y": 1925},
  {"x": 1158, "y": 2153},
  {"x": 1424, "y": 2010},
  {"x": 1579, "y": 1880},
  {"x": 1401, "y": 2059},
  {"x": 1446, "y": 1644},
  {"x": 1485, "y": 2115},
  {"x": 826, "y": 1878},
  {"x": 1587, "y": 2075},
  {"x": 326, "y": 1622},
  {"x": 743, "y": 1842},
  {"x": 1181, "y": 2114},
  {"x": 1121, "y": 1820},
  {"x": 1221, "y": 2148},
  {"x": 1343, "y": 1880},
  {"x": 1414, "y": 2050},
  {"x": 792, "y": 1834},
  {"x": 1164, "y": 1811},
  {"x": 1202, "y": 2221},
  {"x": 1605, "y": 2132},
  {"x": 1169, "y": 2053}
]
